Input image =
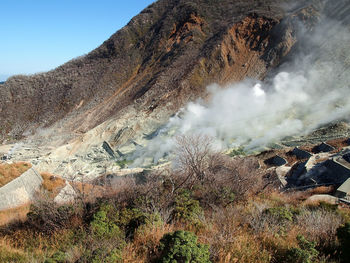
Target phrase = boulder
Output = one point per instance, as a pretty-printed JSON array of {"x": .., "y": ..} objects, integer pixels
[{"x": 322, "y": 198}]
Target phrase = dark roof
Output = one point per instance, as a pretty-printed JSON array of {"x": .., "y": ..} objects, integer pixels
[
  {"x": 323, "y": 147},
  {"x": 345, "y": 187},
  {"x": 348, "y": 141},
  {"x": 275, "y": 161},
  {"x": 301, "y": 154},
  {"x": 346, "y": 157}
]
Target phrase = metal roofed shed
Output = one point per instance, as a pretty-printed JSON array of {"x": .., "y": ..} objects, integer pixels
[
  {"x": 275, "y": 161},
  {"x": 346, "y": 157},
  {"x": 344, "y": 190},
  {"x": 324, "y": 147},
  {"x": 301, "y": 154}
]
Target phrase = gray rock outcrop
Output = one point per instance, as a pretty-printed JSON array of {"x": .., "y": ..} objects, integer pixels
[{"x": 20, "y": 190}]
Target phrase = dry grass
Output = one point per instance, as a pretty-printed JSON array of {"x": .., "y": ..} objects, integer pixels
[
  {"x": 321, "y": 190},
  {"x": 90, "y": 192},
  {"x": 338, "y": 144},
  {"x": 245, "y": 248},
  {"x": 10, "y": 254},
  {"x": 14, "y": 214},
  {"x": 319, "y": 225},
  {"x": 262, "y": 227},
  {"x": 308, "y": 147},
  {"x": 8, "y": 172},
  {"x": 145, "y": 242},
  {"x": 53, "y": 184},
  {"x": 32, "y": 245},
  {"x": 291, "y": 158},
  {"x": 238, "y": 233}
]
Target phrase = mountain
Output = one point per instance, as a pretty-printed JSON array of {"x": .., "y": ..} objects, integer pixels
[
  {"x": 163, "y": 57},
  {"x": 144, "y": 73}
]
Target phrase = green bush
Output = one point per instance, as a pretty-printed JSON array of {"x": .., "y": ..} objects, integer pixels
[
  {"x": 102, "y": 227},
  {"x": 237, "y": 152},
  {"x": 281, "y": 213},
  {"x": 130, "y": 219},
  {"x": 182, "y": 246},
  {"x": 58, "y": 257},
  {"x": 103, "y": 255},
  {"x": 305, "y": 253},
  {"x": 343, "y": 234},
  {"x": 9, "y": 256},
  {"x": 106, "y": 239},
  {"x": 225, "y": 196},
  {"x": 328, "y": 207},
  {"x": 186, "y": 208}
]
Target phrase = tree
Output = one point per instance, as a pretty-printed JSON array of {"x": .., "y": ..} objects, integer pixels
[{"x": 193, "y": 154}]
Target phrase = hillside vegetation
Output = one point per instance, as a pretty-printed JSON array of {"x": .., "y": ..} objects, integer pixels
[
  {"x": 213, "y": 208},
  {"x": 8, "y": 172}
]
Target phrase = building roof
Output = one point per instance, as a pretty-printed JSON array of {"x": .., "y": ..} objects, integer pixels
[
  {"x": 345, "y": 187},
  {"x": 276, "y": 161},
  {"x": 346, "y": 157},
  {"x": 301, "y": 154},
  {"x": 324, "y": 147}
]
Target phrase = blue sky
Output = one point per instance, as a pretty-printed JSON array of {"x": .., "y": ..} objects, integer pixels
[{"x": 39, "y": 35}]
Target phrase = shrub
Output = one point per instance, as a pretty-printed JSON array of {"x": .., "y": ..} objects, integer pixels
[
  {"x": 182, "y": 246},
  {"x": 225, "y": 195},
  {"x": 106, "y": 240},
  {"x": 130, "y": 219},
  {"x": 320, "y": 225},
  {"x": 280, "y": 213},
  {"x": 58, "y": 257},
  {"x": 343, "y": 234},
  {"x": 305, "y": 253},
  {"x": 102, "y": 227},
  {"x": 46, "y": 216},
  {"x": 193, "y": 153},
  {"x": 12, "y": 256},
  {"x": 103, "y": 255},
  {"x": 187, "y": 209},
  {"x": 328, "y": 207}
]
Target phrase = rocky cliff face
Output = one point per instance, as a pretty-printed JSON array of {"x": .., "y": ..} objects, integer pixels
[{"x": 145, "y": 72}]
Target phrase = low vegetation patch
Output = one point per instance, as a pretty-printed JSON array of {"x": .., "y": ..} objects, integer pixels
[
  {"x": 210, "y": 209},
  {"x": 8, "y": 172},
  {"x": 14, "y": 215},
  {"x": 182, "y": 246},
  {"x": 53, "y": 184}
]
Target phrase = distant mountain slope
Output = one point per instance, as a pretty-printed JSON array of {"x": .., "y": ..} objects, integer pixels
[{"x": 163, "y": 58}]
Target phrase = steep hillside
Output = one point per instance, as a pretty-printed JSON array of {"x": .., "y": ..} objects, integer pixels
[{"x": 164, "y": 56}]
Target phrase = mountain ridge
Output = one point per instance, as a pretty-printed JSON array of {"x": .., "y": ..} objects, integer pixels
[{"x": 134, "y": 61}]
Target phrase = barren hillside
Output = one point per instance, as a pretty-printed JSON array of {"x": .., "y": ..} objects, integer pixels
[{"x": 165, "y": 56}]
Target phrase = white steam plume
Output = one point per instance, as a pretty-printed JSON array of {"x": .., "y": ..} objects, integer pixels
[{"x": 312, "y": 92}]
